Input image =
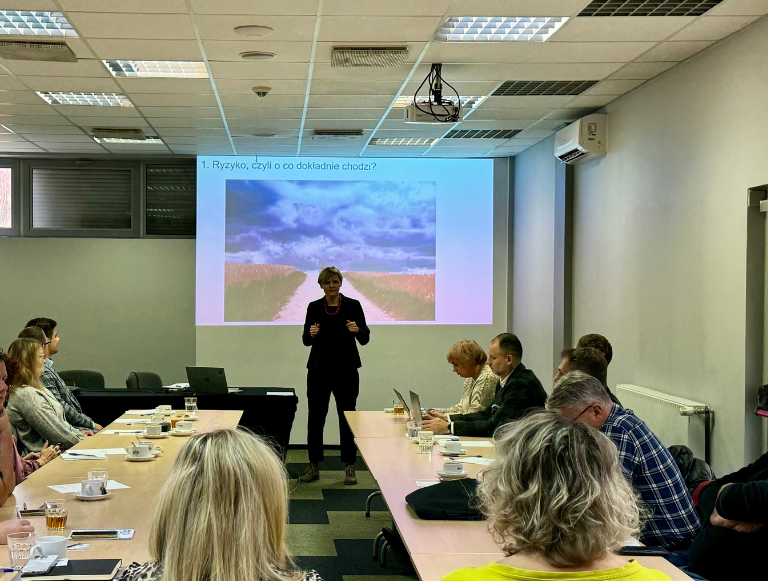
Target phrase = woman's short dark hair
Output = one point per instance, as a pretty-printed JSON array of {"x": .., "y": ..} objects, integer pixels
[
  {"x": 328, "y": 273},
  {"x": 597, "y": 342}
]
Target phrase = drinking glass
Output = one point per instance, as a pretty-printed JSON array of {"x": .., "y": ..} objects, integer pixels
[
  {"x": 175, "y": 419},
  {"x": 98, "y": 474},
  {"x": 413, "y": 429},
  {"x": 398, "y": 410},
  {"x": 426, "y": 441},
  {"x": 19, "y": 546},
  {"x": 190, "y": 405},
  {"x": 56, "y": 514}
]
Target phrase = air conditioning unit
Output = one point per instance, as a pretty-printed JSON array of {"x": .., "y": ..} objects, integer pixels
[{"x": 582, "y": 140}]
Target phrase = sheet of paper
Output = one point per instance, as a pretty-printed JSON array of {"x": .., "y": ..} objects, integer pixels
[
  {"x": 82, "y": 456},
  {"x": 102, "y": 451},
  {"x": 121, "y": 432},
  {"x": 75, "y": 488},
  {"x": 78, "y": 547},
  {"x": 425, "y": 483},
  {"x": 480, "y": 461},
  {"x": 141, "y": 412},
  {"x": 133, "y": 421},
  {"x": 288, "y": 393},
  {"x": 477, "y": 444},
  {"x": 440, "y": 438}
]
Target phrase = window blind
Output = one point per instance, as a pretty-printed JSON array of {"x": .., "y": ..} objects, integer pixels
[
  {"x": 79, "y": 198},
  {"x": 171, "y": 199},
  {"x": 6, "y": 191}
]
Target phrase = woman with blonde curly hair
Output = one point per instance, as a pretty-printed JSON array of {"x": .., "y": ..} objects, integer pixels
[
  {"x": 222, "y": 515},
  {"x": 559, "y": 505},
  {"x": 470, "y": 362}
]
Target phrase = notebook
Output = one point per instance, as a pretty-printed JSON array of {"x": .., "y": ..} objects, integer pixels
[{"x": 78, "y": 570}]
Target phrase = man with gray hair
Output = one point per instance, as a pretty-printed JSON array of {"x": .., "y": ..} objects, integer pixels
[{"x": 647, "y": 464}]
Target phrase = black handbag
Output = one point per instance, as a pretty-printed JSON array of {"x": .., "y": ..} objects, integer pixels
[
  {"x": 762, "y": 401},
  {"x": 450, "y": 500}
]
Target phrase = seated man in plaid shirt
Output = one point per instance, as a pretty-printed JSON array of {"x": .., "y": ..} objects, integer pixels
[
  {"x": 672, "y": 520},
  {"x": 51, "y": 380}
]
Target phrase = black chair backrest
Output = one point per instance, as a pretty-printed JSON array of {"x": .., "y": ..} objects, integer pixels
[
  {"x": 145, "y": 380},
  {"x": 83, "y": 378}
]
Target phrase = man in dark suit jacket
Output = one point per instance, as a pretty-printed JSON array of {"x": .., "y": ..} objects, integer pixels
[{"x": 518, "y": 391}]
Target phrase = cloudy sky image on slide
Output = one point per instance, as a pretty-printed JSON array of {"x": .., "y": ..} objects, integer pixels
[{"x": 355, "y": 225}]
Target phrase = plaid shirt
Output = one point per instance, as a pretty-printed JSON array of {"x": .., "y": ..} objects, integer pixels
[
  {"x": 649, "y": 466},
  {"x": 72, "y": 410}
]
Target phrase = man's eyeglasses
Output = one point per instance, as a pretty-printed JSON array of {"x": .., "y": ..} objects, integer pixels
[{"x": 585, "y": 411}]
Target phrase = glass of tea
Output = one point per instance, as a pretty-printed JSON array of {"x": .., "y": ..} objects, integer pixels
[
  {"x": 399, "y": 410},
  {"x": 56, "y": 514}
]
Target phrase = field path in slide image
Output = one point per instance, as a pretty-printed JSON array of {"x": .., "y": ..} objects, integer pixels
[{"x": 296, "y": 308}]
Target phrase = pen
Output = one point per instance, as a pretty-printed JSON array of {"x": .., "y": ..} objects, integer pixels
[
  {"x": 7, "y": 570},
  {"x": 18, "y": 514},
  {"x": 462, "y": 456}
]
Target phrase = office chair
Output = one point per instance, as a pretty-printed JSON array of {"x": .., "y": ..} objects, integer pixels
[
  {"x": 144, "y": 380},
  {"x": 83, "y": 378}
]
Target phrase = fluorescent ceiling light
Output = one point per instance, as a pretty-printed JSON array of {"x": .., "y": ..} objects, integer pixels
[
  {"x": 421, "y": 141},
  {"x": 467, "y": 102},
  {"x": 101, "y": 99},
  {"x": 149, "y": 139},
  {"x": 26, "y": 23},
  {"x": 172, "y": 69},
  {"x": 499, "y": 28}
]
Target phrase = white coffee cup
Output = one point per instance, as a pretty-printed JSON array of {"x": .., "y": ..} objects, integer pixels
[
  {"x": 154, "y": 429},
  {"x": 49, "y": 546},
  {"x": 157, "y": 418},
  {"x": 184, "y": 426},
  {"x": 163, "y": 408},
  {"x": 139, "y": 451},
  {"x": 452, "y": 446},
  {"x": 149, "y": 445},
  {"x": 91, "y": 487},
  {"x": 453, "y": 467}
]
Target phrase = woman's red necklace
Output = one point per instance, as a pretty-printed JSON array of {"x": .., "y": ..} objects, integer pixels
[{"x": 327, "y": 312}]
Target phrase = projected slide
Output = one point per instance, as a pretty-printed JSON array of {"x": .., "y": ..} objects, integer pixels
[{"x": 267, "y": 227}]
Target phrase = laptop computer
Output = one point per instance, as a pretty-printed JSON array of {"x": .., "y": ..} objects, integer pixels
[
  {"x": 207, "y": 380},
  {"x": 402, "y": 401},
  {"x": 415, "y": 408}
]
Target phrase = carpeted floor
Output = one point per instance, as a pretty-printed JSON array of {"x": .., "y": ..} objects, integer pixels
[{"x": 328, "y": 530}]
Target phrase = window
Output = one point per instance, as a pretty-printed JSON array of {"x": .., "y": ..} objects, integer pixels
[
  {"x": 171, "y": 201},
  {"x": 6, "y": 199}
]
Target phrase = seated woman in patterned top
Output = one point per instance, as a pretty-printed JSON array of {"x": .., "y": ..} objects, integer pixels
[
  {"x": 222, "y": 515},
  {"x": 470, "y": 362}
]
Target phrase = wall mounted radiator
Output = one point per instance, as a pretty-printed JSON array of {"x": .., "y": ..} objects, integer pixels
[{"x": 674, "y": 420}]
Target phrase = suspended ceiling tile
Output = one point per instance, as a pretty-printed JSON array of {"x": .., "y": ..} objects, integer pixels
[
  {"x": 464, "y": 88},
  {"x": 286, "y": 28},
  {"x": 740, "y": 8},
  {"x": 170, "y": 100},
  {"x": 674, "y": 51},
  {"x": 69, "y": 147},
  {"x": 589, "y": 52},
  {"x": 94, "y": 111},
  {"x": 230, "y": 50},
  {"x": 11, "y": 83},
  {"x": 184, "y": 122},
  {"x": 480, "y": 52},
  {"x": 642, "y": 71},
  {"x": 389, "y": 8},
  {"x": 18, "y": 126},
  {"x": 49, "y": 120},
  {"x": 256, "y": 103},
  {"x": 245, "y": 86},
  {"x": 144, "y": 85},
  {"x": 259, "y": 70},
  {"x": 591, "y": 101},
  {"x": 518, "y": 143},
  {"x": 255, "y": 7},
  {"x": 535, "y": 133},
  {"x": 469, "y": 72},
  {"x": 612, "y": 87},
  {"x": 269, "y": 113},
  {"x": 155, "y": 6},
  {"x": 192, "y": 132},
  {"x": 378, "y": 28},
  {"x": 713, "y": 27},
  {"x": 338, "y": 87},
  {"x": 508, "y": 151},
  {"x": 204, "y": 112},
  {"x": 78, "y": 137},
  {"x": 550, "y": 124},
  {"x": 49, "y": 5},
  {"x": 248, "y": 126},
  {"x": 337, "y": 101},
  {"x": 339, "y": 124},
  {"x": 202, "y": 150},
  {"x": 89, "y": 68},
  {"x": 515, "y": 102},
  {"x": 517, "y": 7},
  {"x": 76, "y": 84},
  {"x": 620, "y": 28},
  {"x": 362, "y": 114},
  {"x": 89, "y": 122},
  {"x": 564, "y": 72},
  {"x": 522, "y": 113},
  {"x": 194, "y": 140},
  {"x": 19, "y": 97},
  {"x": 81, "y": 50},
  {"x": 324, "y": 71},
  {"x": 154, "y": 50},
  {"x": 425, "y": 131},
  {"x": 41, "y": 109},
  {"x": 133, "y": 25}
]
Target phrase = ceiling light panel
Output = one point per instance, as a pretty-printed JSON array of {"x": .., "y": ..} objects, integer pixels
[
  {"x": 466, "y": 102},
  {"x": 98, "y": 99},
  {"x": 542, "y": 88},
  {"x": 419, "y": 141},
  {"x": 157, "y": 69},
  {"x": 26, "y": 23},
  {"x": 149, "y": 139},
  {"x": 499, "y": 28},
  {"x": 649, "y": 7}
]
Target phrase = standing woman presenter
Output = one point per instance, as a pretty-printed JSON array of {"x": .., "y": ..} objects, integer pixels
[{"x": 332, "y": 325}]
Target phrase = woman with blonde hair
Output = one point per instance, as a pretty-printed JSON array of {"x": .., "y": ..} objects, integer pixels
[
  {"x": 470, "y": 362},
  {"x": 37, "y": 416},
  {"x": 222, "y": 515},
  {"x": 558, "y": 504}
]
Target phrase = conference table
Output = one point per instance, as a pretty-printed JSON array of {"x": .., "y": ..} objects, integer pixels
[
  {"x": 436, "y": 547},
  {"x": 131, "y": 508}
]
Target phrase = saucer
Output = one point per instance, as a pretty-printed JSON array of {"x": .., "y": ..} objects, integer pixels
[
  {"x": 139, "y": 458},
  {"x": 157, "y": 452},
  {"x": 447, "y": 453},
  {"x": 93, "y": 498},
  {"x": 155, "y": 436},
  {"x": 182, "y": 434},
  {"x": 451, "y": 475}
]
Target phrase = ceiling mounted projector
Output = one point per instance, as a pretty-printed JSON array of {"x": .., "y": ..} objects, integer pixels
[{"x": 430, "y": 112}]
